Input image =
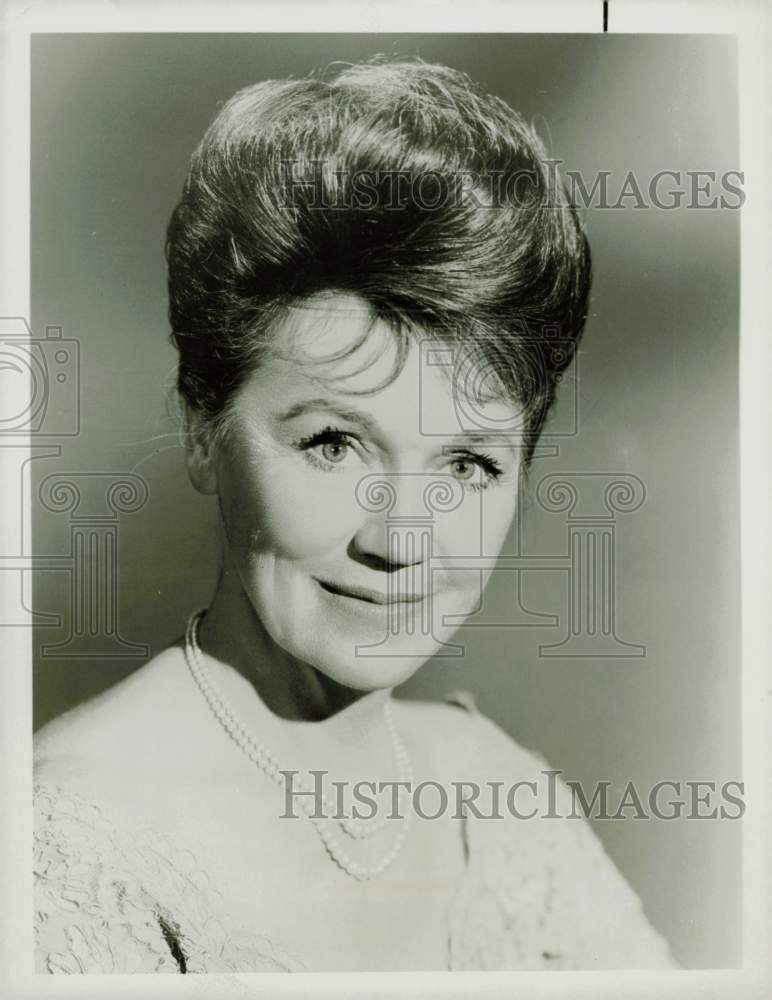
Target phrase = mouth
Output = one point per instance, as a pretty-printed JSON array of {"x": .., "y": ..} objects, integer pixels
[{"x": 369, "y": 596}]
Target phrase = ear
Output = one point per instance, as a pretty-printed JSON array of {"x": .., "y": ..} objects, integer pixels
[{"x": 199, "y": 442}]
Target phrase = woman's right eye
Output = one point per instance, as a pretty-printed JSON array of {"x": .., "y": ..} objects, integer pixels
[{"x": 327, "y": 448}]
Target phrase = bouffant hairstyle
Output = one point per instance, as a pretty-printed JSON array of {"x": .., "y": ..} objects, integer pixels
[{"x": 403, "y": 183}]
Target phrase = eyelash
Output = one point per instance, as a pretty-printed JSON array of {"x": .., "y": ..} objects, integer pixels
[
  {"x": 333, "y": 435},
  {"x": 487, "y": 463}
]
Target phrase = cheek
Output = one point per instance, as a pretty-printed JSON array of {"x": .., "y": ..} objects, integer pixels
[
  {"x": 286, "y": 509},
  {"x": 499, "y": 514},
  {"x": 478, "y": 528}
]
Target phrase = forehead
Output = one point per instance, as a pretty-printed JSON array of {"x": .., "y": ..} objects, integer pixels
[
  {"x": 334, "y": 336},
  {"x": 333, "y": 342}
]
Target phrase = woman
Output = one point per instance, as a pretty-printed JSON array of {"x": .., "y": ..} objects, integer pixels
[{"x": 365, "y": 271}]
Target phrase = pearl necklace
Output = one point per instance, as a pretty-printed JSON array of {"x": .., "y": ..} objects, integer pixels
[{"x": 260, "y": 755}]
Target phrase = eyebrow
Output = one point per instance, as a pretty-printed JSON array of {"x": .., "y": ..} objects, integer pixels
[
  {"x": 351, "y": 414},
  {"x": 356, "y": 416}
]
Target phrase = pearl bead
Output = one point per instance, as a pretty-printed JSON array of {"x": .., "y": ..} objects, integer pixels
[{"x": 265, "y": 760}]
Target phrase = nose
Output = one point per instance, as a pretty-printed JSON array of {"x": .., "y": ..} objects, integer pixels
[{"x": 398, "y": 516}]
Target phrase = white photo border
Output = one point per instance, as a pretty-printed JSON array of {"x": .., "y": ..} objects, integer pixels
[{"x": 751, "y": 23}]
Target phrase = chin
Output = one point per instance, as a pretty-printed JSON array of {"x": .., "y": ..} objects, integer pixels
[
  {"x": 371, "y": 675},
  {"x": 365, "y": 665},
  {"x": 361, "y": 657}
]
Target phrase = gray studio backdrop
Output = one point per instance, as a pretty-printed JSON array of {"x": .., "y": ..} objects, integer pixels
[{"x": 114, "y": 119}]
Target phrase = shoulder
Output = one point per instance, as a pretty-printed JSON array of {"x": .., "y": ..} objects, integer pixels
[
  {"x": 471, "y": 744},
  {"x": 96, "y": 883},
  {"x": 125, "y": 897},
  {"x": 134, "y": 727},
  {"x": 540, "y": 891},
  {"x": 114, "y": 872}
]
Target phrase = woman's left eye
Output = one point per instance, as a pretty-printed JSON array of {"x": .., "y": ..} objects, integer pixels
[
  {"x": 464, "y": 469},
  {"x": 476, "y": 472}
]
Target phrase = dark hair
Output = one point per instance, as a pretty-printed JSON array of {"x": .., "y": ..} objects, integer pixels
[{"x": 400, "y": 182}]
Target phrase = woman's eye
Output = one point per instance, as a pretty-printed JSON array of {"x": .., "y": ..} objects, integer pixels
[
  {"x": 335, "y": 451},
  {"x": 476, "y": 472},
  {"x": 326, "y": 448},
  {"x": 464, "y": 469}
]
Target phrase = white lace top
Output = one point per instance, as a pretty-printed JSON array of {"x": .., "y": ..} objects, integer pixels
[{"x": 535, "y": 895}]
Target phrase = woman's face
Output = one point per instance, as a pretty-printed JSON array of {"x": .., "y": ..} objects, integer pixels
[{"x": 356, "y": 523}]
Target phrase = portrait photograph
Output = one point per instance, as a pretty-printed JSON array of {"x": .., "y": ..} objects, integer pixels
[{"x": 379, "y": 515}]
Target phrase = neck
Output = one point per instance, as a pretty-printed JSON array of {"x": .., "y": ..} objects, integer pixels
[{"x": 295, "y": 702}]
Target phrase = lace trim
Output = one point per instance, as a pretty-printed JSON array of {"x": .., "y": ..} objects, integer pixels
[
  {"x": 107, "y": 900},
  {"x": 542, "y": 893}
]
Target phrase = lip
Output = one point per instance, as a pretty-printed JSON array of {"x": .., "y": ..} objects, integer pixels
[{"x": 367, "y": 595}]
